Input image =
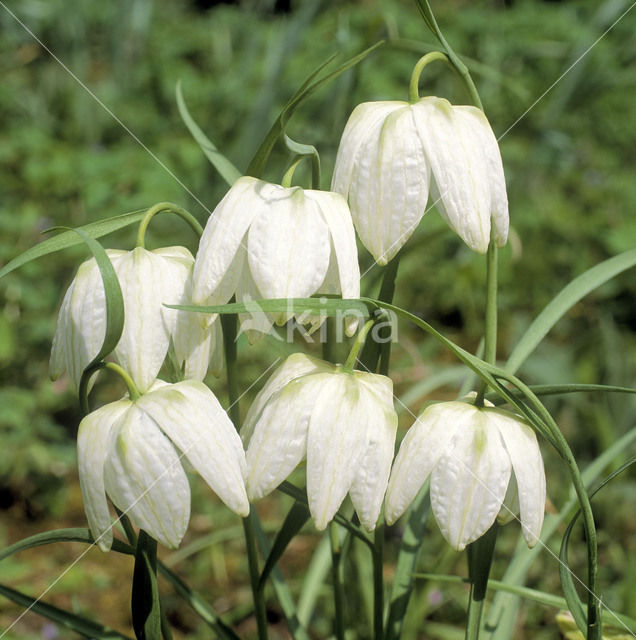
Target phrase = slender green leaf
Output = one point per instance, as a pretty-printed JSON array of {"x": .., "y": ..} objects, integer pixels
[
  {"x": 323, "y": 305},
  {"x": 198, "y": 604},
  {"x": 293, "y": 523},
  {"x": 283, "y": 594},
  {"x": 61, "y": 535},
  {"x": 558, "y": 389},
  {"x": 71, "y": 239},
  {"x": 145, "y": 605},
  {"x": 541, "y": 597},
  {"x": 500, "y": 623},
  {"x": 257, "y": 165},
  {"x": 300, "y": 496},
  {"x": 226, "y": 169},
  {"x": 564, "y": 301},
  {"x": 114, "y": 313},
  {"x": 114, "y": 298},
  {"x": 314, "y": 578},
  {"x": 79, "y": 624},
  {"x": 567, "y": 582},
  {"x": 407, "y": 561}
]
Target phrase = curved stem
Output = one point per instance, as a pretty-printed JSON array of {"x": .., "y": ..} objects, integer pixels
[
  {"x": 289, "y": 174},
  {"x": 357, "y": 345},
  {"x": 378, "y": 585},
  {"x": 162, "y": 207},
  {"x": 425, "y": 60},
  {"x": 460, "y": 67},
  {"x": 338, "y": 584},
  {"x": 228, "y": 323},
  {"x": 133, "y": 392}
]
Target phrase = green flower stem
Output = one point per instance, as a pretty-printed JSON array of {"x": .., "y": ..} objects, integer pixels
[
  {"x": 490, "y": 336},
  {"x": 162, "y": 207},
  {"x": 133, "y": 392},
  {"x": 372, "y": 351},
  {"x": 357, "y": 345},
  {"x": 338, "y": 582},
  {"x": 480, "y": 554},
  {"x": 476, "y": 599},
  {"x": 304, "y": 152},
  {"x": 414, "y": 94},
  {"x": 378, "y": 583},
  {"x": 289, "y": 174},
  {"x": 460, "y": 67},
  {"x": 228, "y": 323}
]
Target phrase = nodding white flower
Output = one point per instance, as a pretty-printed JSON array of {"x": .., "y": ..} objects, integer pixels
[
  {"x": 148, "y": 279},
  {"x": 128, "y": 450},
  {"x": 343, "y": 423},
  {"x": 484, "y": 464},
  {"x": 268, "y": 241},
  {"x": 391, "y": 152}
]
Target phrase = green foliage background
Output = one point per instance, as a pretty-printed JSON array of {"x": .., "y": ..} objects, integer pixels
[{"x": 64, "y": 160}]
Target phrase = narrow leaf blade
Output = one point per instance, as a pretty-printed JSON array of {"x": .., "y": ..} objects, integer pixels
[
  {"x": 226, "y": 169},
  {"x": 564, "y": 301},
  {"x": 70, "y": 239},
  {"x": 79, "y": 624},
  {"x": 293, "y": 523}
]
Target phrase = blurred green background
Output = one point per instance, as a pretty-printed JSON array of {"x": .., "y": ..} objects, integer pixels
[{"x": 64, "y": 160}]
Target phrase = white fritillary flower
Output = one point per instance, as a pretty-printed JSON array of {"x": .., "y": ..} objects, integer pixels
[
  {"x": 129, "y": 450},
  {"x": 394, "y": 156},
  {"x": 343, "y": 424},
  {"x": 484, "y": 464}
]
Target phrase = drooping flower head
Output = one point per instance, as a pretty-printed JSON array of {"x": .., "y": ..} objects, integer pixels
[
  {"x": 394, "y": 157},
  {"x": 129, "y": 450},
  {"x": 484, "y": 464},
  {"x": 342, "y": 423},
  {"x": 268, "y": 241},
  {"x": 148, "y": 280}
]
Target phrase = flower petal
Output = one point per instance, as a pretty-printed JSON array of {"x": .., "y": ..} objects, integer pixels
[
  {"x": 469, "y": 483},
  {"x": 279, "y": 439},
  {"x": 93, "y": 437},
  {"x": 336, "y": 214},
  {"x": 145, "y": 479},
  {"x": 295, "y": 366},
  {"x": 389, "y": 186},
  {"x": 461, "y": 184},
  {"x": 426, "y": 441},
  {"x": 369, "y": 485},
  {"x": 147, "y": 282},
  {"x": 527, "y": 464},
  {"x": 255, "y": 323},
  {"x": 82, "y": 321},
  {"x": 191, "y": 416},
  {"x": 476, "y": 121},
  {"x": 364, "y": 122},
  {"x": 288, "y": 246},
  {"x": 216, "y": 270},
  {"x": 336, "y": 441}
]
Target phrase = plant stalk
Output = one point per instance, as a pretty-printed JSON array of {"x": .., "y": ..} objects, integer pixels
[{"x": 228, "y": 323}]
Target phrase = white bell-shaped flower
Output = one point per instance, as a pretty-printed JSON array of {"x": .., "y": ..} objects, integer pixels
[
  {"x": 393, "y": 155},
  {"x": 148, "y": 280},
  {"x": 129, "y": 450},
  {"x": 268, "y": 241},
  {"x": 343, "y": 423},
  {"x": 476, "y": 458}
]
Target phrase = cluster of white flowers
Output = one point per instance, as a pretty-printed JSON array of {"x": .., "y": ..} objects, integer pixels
[{"x": 269, "y": 241}]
